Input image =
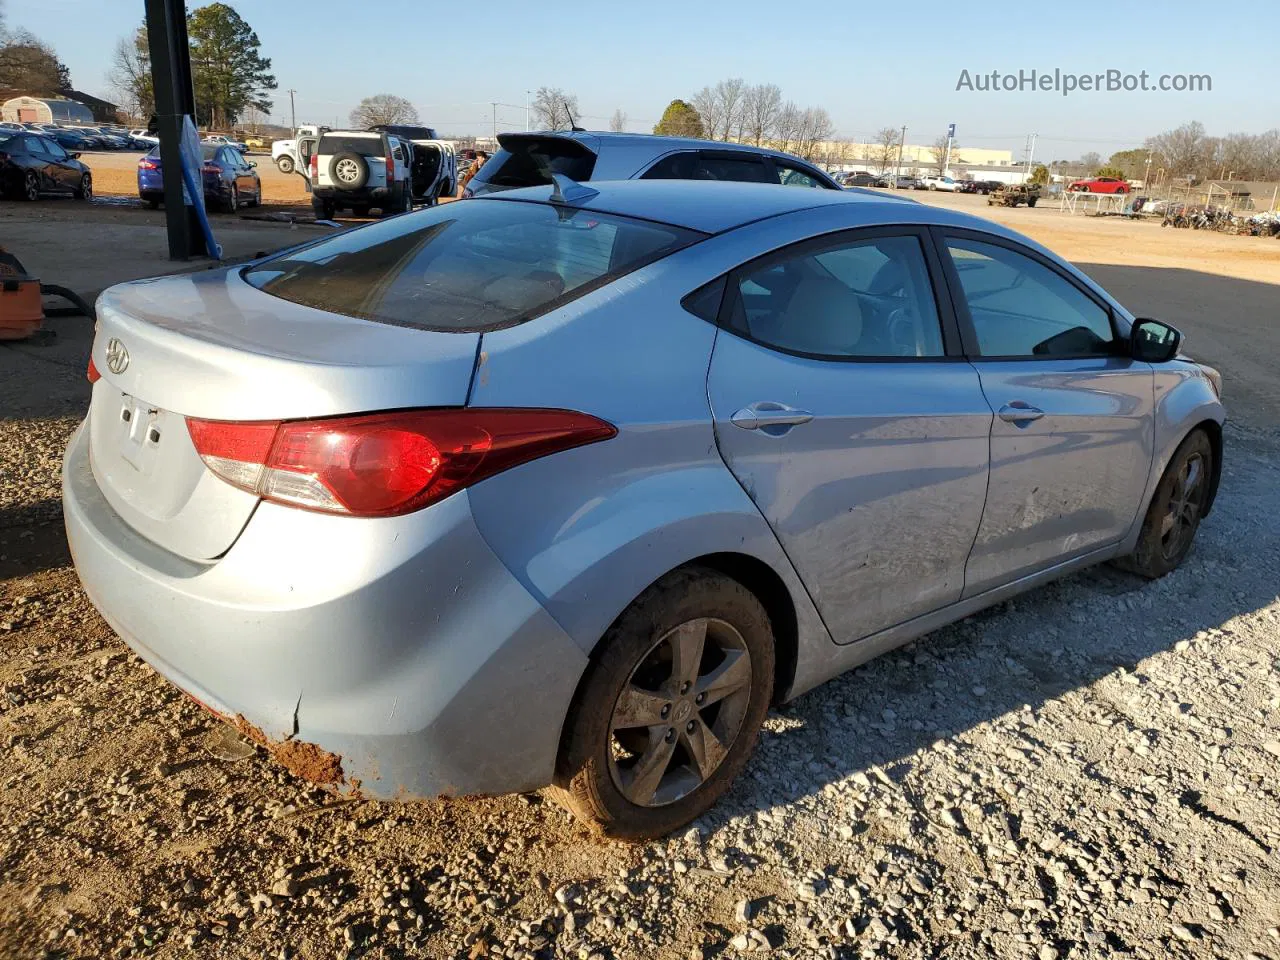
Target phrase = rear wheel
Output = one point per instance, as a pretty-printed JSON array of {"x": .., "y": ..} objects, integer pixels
[
  {"x": 323, "y": 209},
  {"x": 360, "y": 211},
  {"x": 1174, "y": 515},
  {"x": 233, "y": 199},
  {"x": 668, "y": 712},
  {"x": 285, "y": 164},
  {"x": 30, "y": 186}
]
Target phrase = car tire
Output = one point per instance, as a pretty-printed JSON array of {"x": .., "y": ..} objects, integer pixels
[
  {"x": 323, "y": 209},
  {"x": 30, "y": 186},
  {"x": 354, "y": 169},
  {"x": 1172, "y": 519},
  {"x": 85, "y": 190},
  {"x": 360, "y": 210},
  {"x": 233, "y": 200},
  {"x": 285, "y": 164},
  {"x": 153, "y": 203},
  {"x": 1032, "y": 202},
  {"x": 726, "y": 640}
]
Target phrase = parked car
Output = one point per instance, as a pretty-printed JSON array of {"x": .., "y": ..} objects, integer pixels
[
  {"x": 529, "y": 159},
  {"x": 8, "y": 126},
  {"x": 114, "y": 140},
  {"x": 602, "y": 479},
  {"x": 1099, "y": 185},
  {"x": 230, "y": 181},
  {"x": 1013, "y": 194},
  {"x": 908, "y": 183},
  {"x": 284, "y": 153},
  {"x": 865, "y": 180},
  {"x": 31, "y": 165},
  {"x": 359, "y": 170},
  {"x": 72, "y": 140},
  {"x": 256, "y": 142},
  {"x": 985, "y": 187},
  {"x": 140, "y": 135},
  {"x": 434, "y": 165},
  {"x": 222, "y": 140},
  {"x": 940, "y": 183}
]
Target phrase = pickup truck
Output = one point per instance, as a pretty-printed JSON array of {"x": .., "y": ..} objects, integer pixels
[
  {"x": 284, "y": 153},
  {"x": 940, "y": 183}
]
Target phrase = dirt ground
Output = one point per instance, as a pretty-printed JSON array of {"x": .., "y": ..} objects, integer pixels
[
  {"x": 115, "y": 174},
  {"x": 1088, "y": 771}
]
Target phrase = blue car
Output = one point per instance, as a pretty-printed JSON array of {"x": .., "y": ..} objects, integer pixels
[
  {"x": 72, "y": 140},
  {"x": 230, "y": 180},
  {"x": 564, "y": 486}
]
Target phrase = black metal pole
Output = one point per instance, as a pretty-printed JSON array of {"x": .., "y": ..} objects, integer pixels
[{"x": 175, "y": 98}]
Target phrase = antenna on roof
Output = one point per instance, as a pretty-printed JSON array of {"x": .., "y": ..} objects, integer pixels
[{"x": 573, "y": 124}]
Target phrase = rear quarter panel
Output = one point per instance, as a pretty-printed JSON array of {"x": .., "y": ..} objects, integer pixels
[{"x": 587, "y": 530}]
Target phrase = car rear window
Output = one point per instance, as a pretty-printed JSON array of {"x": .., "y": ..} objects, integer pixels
[
  {"x": 370, "y": 146},
  {"x": 473, "y": 265},
  {"x": 530, "y": 162}
]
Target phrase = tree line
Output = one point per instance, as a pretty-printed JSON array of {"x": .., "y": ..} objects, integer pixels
[
  {"x": 1189, "y": 152},
  {"x": 736, "y": 111},
  {"x": 28, "y": 66},
  {"x": 230, "y": 75}
]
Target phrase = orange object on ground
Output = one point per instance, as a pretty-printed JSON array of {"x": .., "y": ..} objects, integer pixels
[{"x": 21, "y": 306}]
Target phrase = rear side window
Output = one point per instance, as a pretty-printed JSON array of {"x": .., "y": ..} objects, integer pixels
[
  {"x": 700, "y": 165},
  {"x": 531, "y": 161},
  {"x": 478, "y": 265},
  {"x": 340, "y": 143}
]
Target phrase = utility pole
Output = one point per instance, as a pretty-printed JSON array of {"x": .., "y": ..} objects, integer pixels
[
  {"x": 897, "y": 167},
  {"x": 526, "y": 111},
  {"x": 946, "y": 159},
  {"x": 495, "y": 120},
  {"x": 1031, "y": 152},
  {"x": 293, "y": 116}
]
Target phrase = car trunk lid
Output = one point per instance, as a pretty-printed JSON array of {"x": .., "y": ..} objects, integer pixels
[{"x": 212, "y": 346}]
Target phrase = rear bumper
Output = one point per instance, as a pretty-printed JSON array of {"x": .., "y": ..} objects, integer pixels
[
  {"x": 398, "y": 657},
  {"x": 364, "y": 195}
]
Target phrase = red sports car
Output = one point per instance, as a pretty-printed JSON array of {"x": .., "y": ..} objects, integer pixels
[{"x": 1100, "y": 185}]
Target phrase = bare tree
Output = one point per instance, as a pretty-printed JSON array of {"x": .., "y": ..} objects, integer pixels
[
  {"x": 938, "y": 150},
  {"x": 555, "y": 109},
  {"x": 383, "y": 108},
  {"x": 885, "y": 150},
  {"x": 814, "y": 128},
  {"x": 732, "y": 95},
  {"x": 1185, "y": 150},
  {"x": 618, "y": 123},
  {"x": 760, "y": 110},
  {"x": 130, "y": 74},
  {"x": 711, "y": 109},
  {"x": 787, "y": 127}
]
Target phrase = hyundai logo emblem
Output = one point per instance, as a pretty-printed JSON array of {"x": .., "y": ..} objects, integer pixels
[{"x": 117, "y": 356}]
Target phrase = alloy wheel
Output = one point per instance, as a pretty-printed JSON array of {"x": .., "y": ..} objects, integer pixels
[
  {"x": 679, "y": 713},
  {"x": 347, "y": 171},
  {"x": 86, "y": 188},
  {"x": 1185, "y": 499},
  {"x": 31, "y": 186}
]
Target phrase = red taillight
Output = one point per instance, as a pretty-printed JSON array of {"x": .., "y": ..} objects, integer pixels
[
  {"x": 212, "y": 168},
  {"x": 391, "y": 170},
  {"x": 384, "y": 464},
  {"x": 93, "y": 374},
  {"x": 315, "y": 167},
  {"x": 148, "y": 165}
]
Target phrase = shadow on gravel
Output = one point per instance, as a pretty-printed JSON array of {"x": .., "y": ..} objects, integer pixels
[
  {"x": 1021, "y": 654},
  {"x": 32, "y": 539}
]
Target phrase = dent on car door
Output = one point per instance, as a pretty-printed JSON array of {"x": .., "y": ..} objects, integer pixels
[
  {"x": 842, "y": 406},
  {"x": 1071, "y": 442}
]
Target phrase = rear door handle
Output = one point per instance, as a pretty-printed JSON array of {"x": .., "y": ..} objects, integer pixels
[
  {"x": 1019, "y": 411},
  {"x": 767, "y": 413}
]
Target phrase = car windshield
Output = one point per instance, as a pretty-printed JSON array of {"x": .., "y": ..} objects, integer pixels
[{"x": 475, "y": 265}]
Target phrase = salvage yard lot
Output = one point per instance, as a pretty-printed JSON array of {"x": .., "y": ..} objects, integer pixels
[{"x": 1091, "y": 770}]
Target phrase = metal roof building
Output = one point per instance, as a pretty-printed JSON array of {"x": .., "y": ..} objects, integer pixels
[{"x": 44, "y": 110}]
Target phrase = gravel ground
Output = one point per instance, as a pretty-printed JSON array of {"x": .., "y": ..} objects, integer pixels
[{"x": 1091, "y": 770}]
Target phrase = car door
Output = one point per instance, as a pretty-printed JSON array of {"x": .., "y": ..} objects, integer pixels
[
  {"x": 1071, "y": 443},
  {"x": 843, "y": 407},
  {"x": 64, "y": 171},
  {"x": 38, "y": 160}
]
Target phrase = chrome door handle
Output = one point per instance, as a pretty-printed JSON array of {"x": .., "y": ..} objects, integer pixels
[
  {"x": 1019, "y": 411},
  {"x": 766, "y": 413}
]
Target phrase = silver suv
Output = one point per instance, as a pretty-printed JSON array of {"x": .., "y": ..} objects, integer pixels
[{"x": 529, "y": 160}]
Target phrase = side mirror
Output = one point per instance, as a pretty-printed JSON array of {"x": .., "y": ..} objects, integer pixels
[
  {"x": 75, "y": 156},
  {"x": 253, "y": 163},
  {"x": 1153, "y": 342}
]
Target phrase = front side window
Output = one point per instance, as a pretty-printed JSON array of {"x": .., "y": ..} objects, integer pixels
[
  {"x": 863, "y": 298},
  {"x": 467, "y": 266},
  {"x": 1022, "y": 308}
]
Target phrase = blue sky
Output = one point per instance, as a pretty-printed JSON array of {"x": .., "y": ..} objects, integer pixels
[{"x": 452, "y": 59}]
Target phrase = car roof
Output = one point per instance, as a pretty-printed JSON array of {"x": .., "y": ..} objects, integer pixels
[
  {"x": 707, "y": 206},
  {"x": 655, "y": 143}
]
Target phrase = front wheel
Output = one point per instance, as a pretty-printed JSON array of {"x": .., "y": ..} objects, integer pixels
[
  {"x": 670, "y": 708},
  {"x": 30, "y": 186},
  {"x": 285, "y": 164},
  {"x": 85, "y": 190},
  {"x": 1174, "y": 515}
]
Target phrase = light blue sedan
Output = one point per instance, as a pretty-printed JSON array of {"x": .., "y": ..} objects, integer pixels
[{"x": 563, "y": 487}]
